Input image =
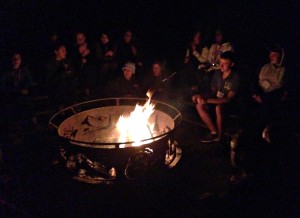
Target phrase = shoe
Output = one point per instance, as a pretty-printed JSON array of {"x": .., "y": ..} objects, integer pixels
[{"x": 210, "y": 138}]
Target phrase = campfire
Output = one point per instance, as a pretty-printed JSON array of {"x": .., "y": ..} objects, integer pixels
[
  {"x": 137, "y": 126},
  {"x": 104, "y": 138}
]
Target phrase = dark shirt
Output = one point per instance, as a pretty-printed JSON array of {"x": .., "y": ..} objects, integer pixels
[
  {"x": 155, "y": 82},
  {"x": 161, "y": 89},
  {"x": 101, "y": 50},
  {"x": 16, "y": 80},
  {"x": 59, "y": 70},
  {"x": 231, "y": 83},
  {"x": 193, "y": 59},
  {"x": 124, "y": 53},
  {"x": 122, "y": 87}
]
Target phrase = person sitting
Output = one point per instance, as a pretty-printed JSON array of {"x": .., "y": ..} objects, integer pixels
[
  {"x": 105, "y": 54},
  {"x": 61, "y": 77},
  {"x": 16, "y": 87},
  {"x": 216, "y": 49},
  {"x": 84, "y": 64},
  {"x": 127, "y": 50},
  {"x": 155, "y": 81},
  {"x": 18, "y": 81},
  {"x": 224, "y": 88},
  {"x": 126, "y": 85},
  {"x": 195, "y": 60},
  {"x": 271, "y": 90}
]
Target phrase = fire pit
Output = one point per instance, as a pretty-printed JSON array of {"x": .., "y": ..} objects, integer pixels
[{"x": 105, "y": 139}]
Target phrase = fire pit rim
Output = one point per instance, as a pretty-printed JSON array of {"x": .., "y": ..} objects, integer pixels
[{"x": 110, "y": 144}]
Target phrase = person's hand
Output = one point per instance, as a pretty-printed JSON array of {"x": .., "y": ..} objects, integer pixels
[
  {"x": 201, "y": 100},
  {"x": 109, "y": 53},
  {"x": 24, "y": 92},
  {"x": 83, "y": 60},
  {"x": 134, "y": 51},
  {"x": 193, "y": 47},
  {"x": 186, "y": 60},
  {"x": 196, "y": 98},
  {"x": 257, "y": 98},
  {"x": 194, "y": 88}
]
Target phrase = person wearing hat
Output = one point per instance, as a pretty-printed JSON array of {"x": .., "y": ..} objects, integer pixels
[
  {"x": 126, "y": 85},
  {"x": 270, "y": 91}
]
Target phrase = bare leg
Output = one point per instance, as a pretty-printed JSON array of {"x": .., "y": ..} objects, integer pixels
[
  {"x": 203, "y": 113},
  {"x": 219, "y": 119}
]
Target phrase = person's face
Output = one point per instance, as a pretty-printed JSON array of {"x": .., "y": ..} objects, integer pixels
[
  {"x": 16, "y": 60},
  {"x": 225, "y": 65},
  {"x": 127, "y": 73},
  {"x": 61, "y": 53},
  {"x": 197, "y": 38},
  {"x": 128, "y": 37},
  {"x": 104, "y": 39},
  {"x": 80, "y": 38},
  {"x": 274, "y": 58},
  {"x": 219, "y": 38},
  {"x": 156, "y": 69}
]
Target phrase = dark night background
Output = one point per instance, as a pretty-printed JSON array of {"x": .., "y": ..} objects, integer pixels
[{"x": 163, "y": 28}]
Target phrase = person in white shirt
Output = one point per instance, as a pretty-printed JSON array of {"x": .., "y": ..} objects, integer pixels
[
  {"x": 195, "y": 62},
  {"x": 217, "y": 49},
  {"x": 271, "y": 92}
]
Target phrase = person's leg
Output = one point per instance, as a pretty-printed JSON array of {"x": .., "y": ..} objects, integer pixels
[
  {"x": 204, "y": 114},
  {"x": 219, "y": 117}
]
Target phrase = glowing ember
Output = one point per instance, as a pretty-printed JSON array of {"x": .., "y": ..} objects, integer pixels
[{"x": 136, "y": 127}]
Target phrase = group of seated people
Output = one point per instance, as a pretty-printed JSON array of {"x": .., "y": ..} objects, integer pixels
[
  {"x": 115, "y": 70},
  {"x": 268, "y": 93}
]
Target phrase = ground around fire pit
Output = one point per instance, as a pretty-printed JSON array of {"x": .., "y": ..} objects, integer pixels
[{"x": 32, "y": 186}]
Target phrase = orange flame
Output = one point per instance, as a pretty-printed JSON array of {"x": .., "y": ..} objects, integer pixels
[{"x": 137, "y": 127}]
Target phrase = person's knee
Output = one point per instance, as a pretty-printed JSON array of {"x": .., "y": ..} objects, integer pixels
[{"x": 200, "y": 107}]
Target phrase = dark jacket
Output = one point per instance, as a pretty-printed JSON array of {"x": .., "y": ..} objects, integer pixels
[
  {"x": 101, "y": 49},
  {"x": 16, "y": 80},
  {"x": 122, "y": 87},
  {"x": 124, "y": 53}
]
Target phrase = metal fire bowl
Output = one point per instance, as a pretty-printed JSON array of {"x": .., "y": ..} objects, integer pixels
[{"x": 89, "y": 128}]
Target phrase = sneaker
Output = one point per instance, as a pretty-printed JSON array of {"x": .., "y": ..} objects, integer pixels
[{"x": 210, "y": 138}]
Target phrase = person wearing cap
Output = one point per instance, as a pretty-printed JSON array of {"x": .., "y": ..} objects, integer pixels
[
  {"x": 216, "y": 49},
  {"x": 270, "y": 91},
  {"x": 126, "y": 85},
  {"x": 224, "y": 88}
]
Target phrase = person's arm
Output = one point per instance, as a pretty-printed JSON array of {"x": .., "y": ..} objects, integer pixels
[
  {"x": 278, "y": 83},
  {"x": 227, "y": 47},
  {"x": 107, "y": 55},
  {"x": 187, "y": 56},
  {"x": 225, "y": 100},
  {"x": 203, "y": 56},
  {"x": 210, "y": 54}
]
